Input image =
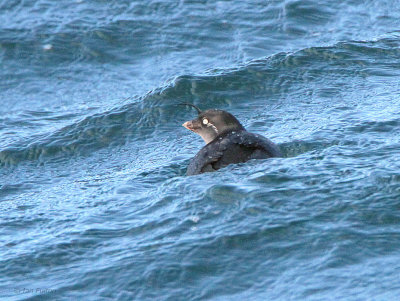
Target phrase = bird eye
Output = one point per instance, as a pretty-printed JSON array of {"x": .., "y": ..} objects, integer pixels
[{"x": 205, "y": 121}]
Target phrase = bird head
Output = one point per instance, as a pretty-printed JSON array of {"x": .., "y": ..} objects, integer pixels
[{"x": 211, "y": 123}]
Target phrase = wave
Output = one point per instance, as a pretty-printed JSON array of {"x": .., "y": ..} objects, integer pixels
[{"x": 269, "y": 79}]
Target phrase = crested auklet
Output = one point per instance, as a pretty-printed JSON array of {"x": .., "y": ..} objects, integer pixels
[{"x": 227, "y": 142}]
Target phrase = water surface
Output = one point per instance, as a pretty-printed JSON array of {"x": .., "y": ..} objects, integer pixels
[{"x": 94, "y": 201}]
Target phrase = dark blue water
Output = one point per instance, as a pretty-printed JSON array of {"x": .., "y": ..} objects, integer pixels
[{"x": 94, "y": 201}]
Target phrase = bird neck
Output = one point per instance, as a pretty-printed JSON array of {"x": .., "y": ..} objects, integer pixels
[{"x": 225, "y": 133}]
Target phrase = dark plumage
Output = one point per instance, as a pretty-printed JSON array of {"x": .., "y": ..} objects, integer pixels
[{"x": 227, "y": 142}]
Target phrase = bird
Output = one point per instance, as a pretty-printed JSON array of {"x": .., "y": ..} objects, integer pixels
[{"x": 227, "y": 142}]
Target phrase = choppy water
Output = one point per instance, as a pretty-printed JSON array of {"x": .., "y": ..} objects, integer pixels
[{"x": 94, "y": 203}]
